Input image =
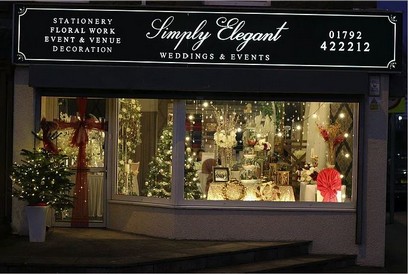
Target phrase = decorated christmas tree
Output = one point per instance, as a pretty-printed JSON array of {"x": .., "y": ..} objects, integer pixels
[
  {"x": 43, "y": 178},
  {"x": 158, "y": 183}
]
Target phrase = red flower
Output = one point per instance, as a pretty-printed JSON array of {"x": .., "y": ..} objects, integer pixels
[
  {"x": 339, "y": 139},
  {"x": 314, "y": 175},
  {"x": 324, "y": 134},
  {"x": 331, "y": 134}
]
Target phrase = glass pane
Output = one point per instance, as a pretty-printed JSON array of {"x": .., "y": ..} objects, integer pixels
[
  {"x": 144, "y": 147},
  {"x": 129, "y": 138},
  {"x": 272, "y": 151}
]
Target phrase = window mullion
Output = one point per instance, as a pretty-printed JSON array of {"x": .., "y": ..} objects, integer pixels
[{"x": 177, "y": 188}]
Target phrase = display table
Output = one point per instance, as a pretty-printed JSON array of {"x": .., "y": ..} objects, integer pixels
[{"x": 250, "y": 192}]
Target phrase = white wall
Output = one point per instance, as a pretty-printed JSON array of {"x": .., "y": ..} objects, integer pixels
[
  {"x": 375, "y": 179},
  {"x": 331, "y": 232},
  {"x": 22, "y": 137}
]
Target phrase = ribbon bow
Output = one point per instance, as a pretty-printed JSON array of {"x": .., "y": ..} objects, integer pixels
[
  {"x": 81, "y": 126},
  {"x": 328, "y": 183}
]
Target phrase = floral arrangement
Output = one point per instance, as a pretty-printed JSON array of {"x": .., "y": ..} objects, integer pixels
[
  {"x": 225, "y": 135},
  {"x": 333, "y": 136},
  {"x": 332, "y": 133},
  {"x": 225, "y": 139},
  {"x": 251, "y": 140},
  {"x": 262, "y": 145},
  {"x": 308, "y": 173}
]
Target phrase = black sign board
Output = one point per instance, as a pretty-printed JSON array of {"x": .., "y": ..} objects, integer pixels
[{"x": 253, "y": 38}]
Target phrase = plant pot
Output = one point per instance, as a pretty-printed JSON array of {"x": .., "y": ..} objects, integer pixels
[{"x": 36, "y": 217}]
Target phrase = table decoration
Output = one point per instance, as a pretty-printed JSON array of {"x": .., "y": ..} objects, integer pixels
[
  {"x": 268, "y": 192},
  {"x": 233, "y": 190}
]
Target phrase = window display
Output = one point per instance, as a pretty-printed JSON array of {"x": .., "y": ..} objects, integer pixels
[
  {"x": 234, "y": 150},
  {"x": 144, "y": 166},
  {"x": 274, "y": 151}
]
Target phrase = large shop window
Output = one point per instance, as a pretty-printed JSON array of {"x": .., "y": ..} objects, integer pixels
[{"x": 278, "y": 151}]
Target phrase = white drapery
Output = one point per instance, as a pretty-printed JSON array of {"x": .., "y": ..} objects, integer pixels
[{"x": 316, "y": 113}]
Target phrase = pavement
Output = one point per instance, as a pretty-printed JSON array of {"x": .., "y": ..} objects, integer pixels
[
  {"x": 395, "y": 248},
  {"x": 396, "y": 244},
  {"x": 106, "y": 247}
]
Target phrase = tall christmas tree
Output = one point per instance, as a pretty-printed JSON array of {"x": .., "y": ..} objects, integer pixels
[{"x": 158, "y": 183}]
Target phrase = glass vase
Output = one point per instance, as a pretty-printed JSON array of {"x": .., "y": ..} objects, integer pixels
[
  {"x": 331, "y": 155},
  {"x": 225, "y": 156}
]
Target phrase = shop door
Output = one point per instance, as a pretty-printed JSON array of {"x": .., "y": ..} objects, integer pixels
[{"x": 81, "y": 136}]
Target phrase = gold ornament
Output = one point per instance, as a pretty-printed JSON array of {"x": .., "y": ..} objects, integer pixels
[
  {"x": 233, "y": 190},
  {"x": 268, "y": 192}
]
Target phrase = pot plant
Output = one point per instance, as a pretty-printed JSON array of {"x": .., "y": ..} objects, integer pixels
[{"x": 42, "y": 179}]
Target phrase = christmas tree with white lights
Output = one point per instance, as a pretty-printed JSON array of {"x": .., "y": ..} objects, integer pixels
[
  {"x": 158, "y": 183},
  {"x": 43, "y": 178}
]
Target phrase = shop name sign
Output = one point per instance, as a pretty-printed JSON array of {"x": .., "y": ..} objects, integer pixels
[{"x": 206, "y": 38}]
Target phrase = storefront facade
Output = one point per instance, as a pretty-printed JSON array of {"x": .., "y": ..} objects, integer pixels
[{"x": 296, "y": 134}]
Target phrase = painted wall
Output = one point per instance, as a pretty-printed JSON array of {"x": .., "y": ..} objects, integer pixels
[{"x": 331, "y": 232}]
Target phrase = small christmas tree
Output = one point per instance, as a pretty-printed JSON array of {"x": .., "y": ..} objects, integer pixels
[
  {"x": 43, "y": 178},
  {"x": 158, "y": 183}
]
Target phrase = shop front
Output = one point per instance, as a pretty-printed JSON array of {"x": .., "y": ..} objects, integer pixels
[{"x": 214, "y": 124}]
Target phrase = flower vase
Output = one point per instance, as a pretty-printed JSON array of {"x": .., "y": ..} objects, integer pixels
[
  {"x": 225, "y": 156},
  {"x": 36, "y": 217},
  {"x": 331, "y": 156}
]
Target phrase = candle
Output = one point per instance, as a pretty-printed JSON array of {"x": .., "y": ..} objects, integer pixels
[{"x": 127, "y": 168}]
